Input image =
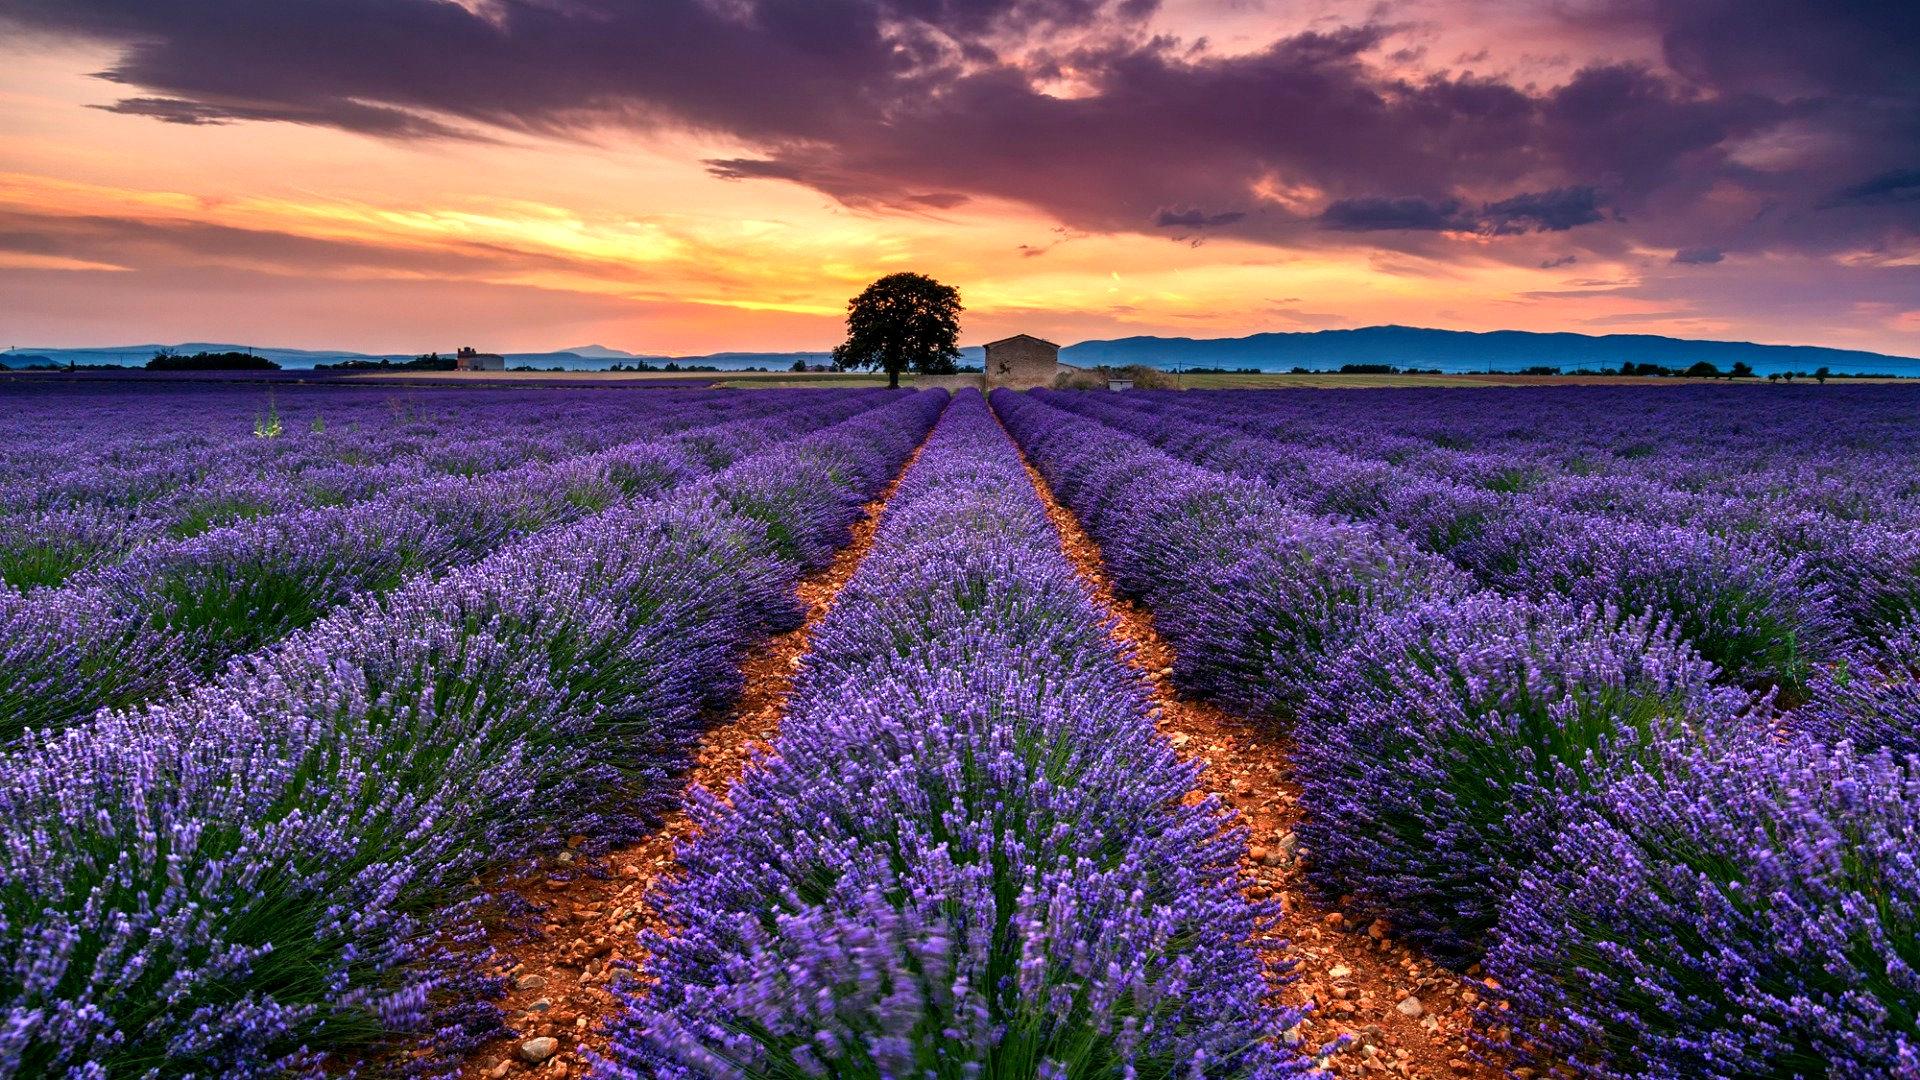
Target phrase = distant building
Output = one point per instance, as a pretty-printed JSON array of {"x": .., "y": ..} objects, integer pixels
[
  {"x": 468, "y": 360},
  {"x": 1022, "y": 362},
  {"x": 1119, "y": 384}
]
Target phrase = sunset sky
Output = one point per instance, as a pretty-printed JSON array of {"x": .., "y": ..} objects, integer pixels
[{"x": 686, "y": 176}]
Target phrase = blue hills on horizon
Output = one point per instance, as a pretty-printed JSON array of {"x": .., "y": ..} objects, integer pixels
[
  {"x": 1465, "y": 351},
  {"x": 1453, "y": 351}
]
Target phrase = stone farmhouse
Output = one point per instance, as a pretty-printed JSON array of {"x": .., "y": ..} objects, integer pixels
[
  {"x": 469, "y": 360},
  {"x": 1022, "y": 362}
]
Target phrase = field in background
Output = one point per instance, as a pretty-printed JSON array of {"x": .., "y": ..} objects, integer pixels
[
  {"x": 1276, "y": 380},
  {"x": 768, "y": 380}
]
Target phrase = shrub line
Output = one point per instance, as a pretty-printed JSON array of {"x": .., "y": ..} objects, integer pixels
[{"x": 594, "y": 908}]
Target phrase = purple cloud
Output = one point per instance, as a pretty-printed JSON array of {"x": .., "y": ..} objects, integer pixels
[
  {"x": 1374, "y": 213},
  {"x": 1698, "y": 256},
  {"x": 1545, "y": 211},
  {"x": 1196, "y": 219}
]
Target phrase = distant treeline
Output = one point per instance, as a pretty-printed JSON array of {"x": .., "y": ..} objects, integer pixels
[
  {"x": 1372, "y": 369},
  {"x": 425, "y": 362},
  {"x": 30, "y": 362},
  {"x": 642, "y": 365},
  {"x": 38, "y": 362},
  {"x": 168, "y": 360},
  {"x": 1740, "y": 370}
]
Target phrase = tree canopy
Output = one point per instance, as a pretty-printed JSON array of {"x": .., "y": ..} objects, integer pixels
[
  {"x": 168, "y": 360},
  {"x": 899, "y": 322}
]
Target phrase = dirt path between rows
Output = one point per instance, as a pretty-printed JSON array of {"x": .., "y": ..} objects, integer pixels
[
  {"x": 559, "y": 988},
  {"x": 1403, "y": 1014}
]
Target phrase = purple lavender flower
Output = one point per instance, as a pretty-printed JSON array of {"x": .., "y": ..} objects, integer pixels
[
  {"x": 1433, "y": 755},
  {"x": 1744, "y": 910},
  {"x": 1254, "y": 595},
  {"x": 1871, "y": 698}
]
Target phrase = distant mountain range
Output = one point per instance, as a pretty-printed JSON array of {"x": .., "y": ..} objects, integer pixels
[
  {"x": 1466, "y": 351},
  {"x": 1318, "y": 350}
]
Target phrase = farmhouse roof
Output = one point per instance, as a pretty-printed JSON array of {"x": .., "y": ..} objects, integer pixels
[{"x": 1017, "y": 337}]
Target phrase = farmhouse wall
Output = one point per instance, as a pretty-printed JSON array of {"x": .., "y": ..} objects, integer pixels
[{"x": 1022, "y": 362}]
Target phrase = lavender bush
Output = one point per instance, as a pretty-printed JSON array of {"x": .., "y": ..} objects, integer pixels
[
  {"x": 1748, "y": 910},
  {"x": 239, "y": 881},
  {"x": 968, "y": 855},
  {"x": 1435, "y": 752},
  {"x": 1255, "y": 596},
  {"x": 1872, "y": 698},
  {"x": 1760, "y": 609},
  {"x": 46, "y": 547},
  {"x": 1751, "y": 610}
]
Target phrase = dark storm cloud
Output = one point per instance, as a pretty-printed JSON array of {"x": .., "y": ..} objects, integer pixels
[
  {"x": 1895, "y": 186},
  {"x": 1792, "y": 48},
  {"x": 1637, "y": 132},
  {"x": 1698, "y": 256},
  {"x": 1196, "y": 219},
  {"x": 1545, "y": 211},
  {"x": 1805, "y": 110},
  {"x": 1373, "y": 214},
  {"x": 1829, "y": 82}
]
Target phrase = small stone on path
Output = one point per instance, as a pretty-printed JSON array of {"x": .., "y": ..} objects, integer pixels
[
  {"x": 535, "y": 1051},
  {"x": 1409, "y": 1006}
]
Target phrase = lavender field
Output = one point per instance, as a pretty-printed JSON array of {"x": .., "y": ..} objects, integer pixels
[{"x": 695, "y": 733}]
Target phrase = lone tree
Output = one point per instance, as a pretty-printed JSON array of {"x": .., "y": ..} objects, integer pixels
[{"x": 902, "y": 321}]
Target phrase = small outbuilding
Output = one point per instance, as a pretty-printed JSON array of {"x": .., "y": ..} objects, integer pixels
[
  {"x": 1119, "y": 384},
  {"x": 469, "y": 360},
  {"x": 1022, "y": 362}
]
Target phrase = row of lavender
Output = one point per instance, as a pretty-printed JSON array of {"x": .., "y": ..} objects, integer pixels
[
  {"x": 1768, "y": 592},
  {"x": 1828, "y": 474},
  {"x": 99, "y": 437},
  {"x": 1722, "y": 459},
  {"x": 970, "y": 853},
  {"x": 1698, "y": 454},
  {"x": 284, "y": 860},
  {"x": 1844, "y": 450},
  {"x": 1662, "y": 877},
  {"x": 175, "y": 611},
  {"x": 81, "y": 490}
]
